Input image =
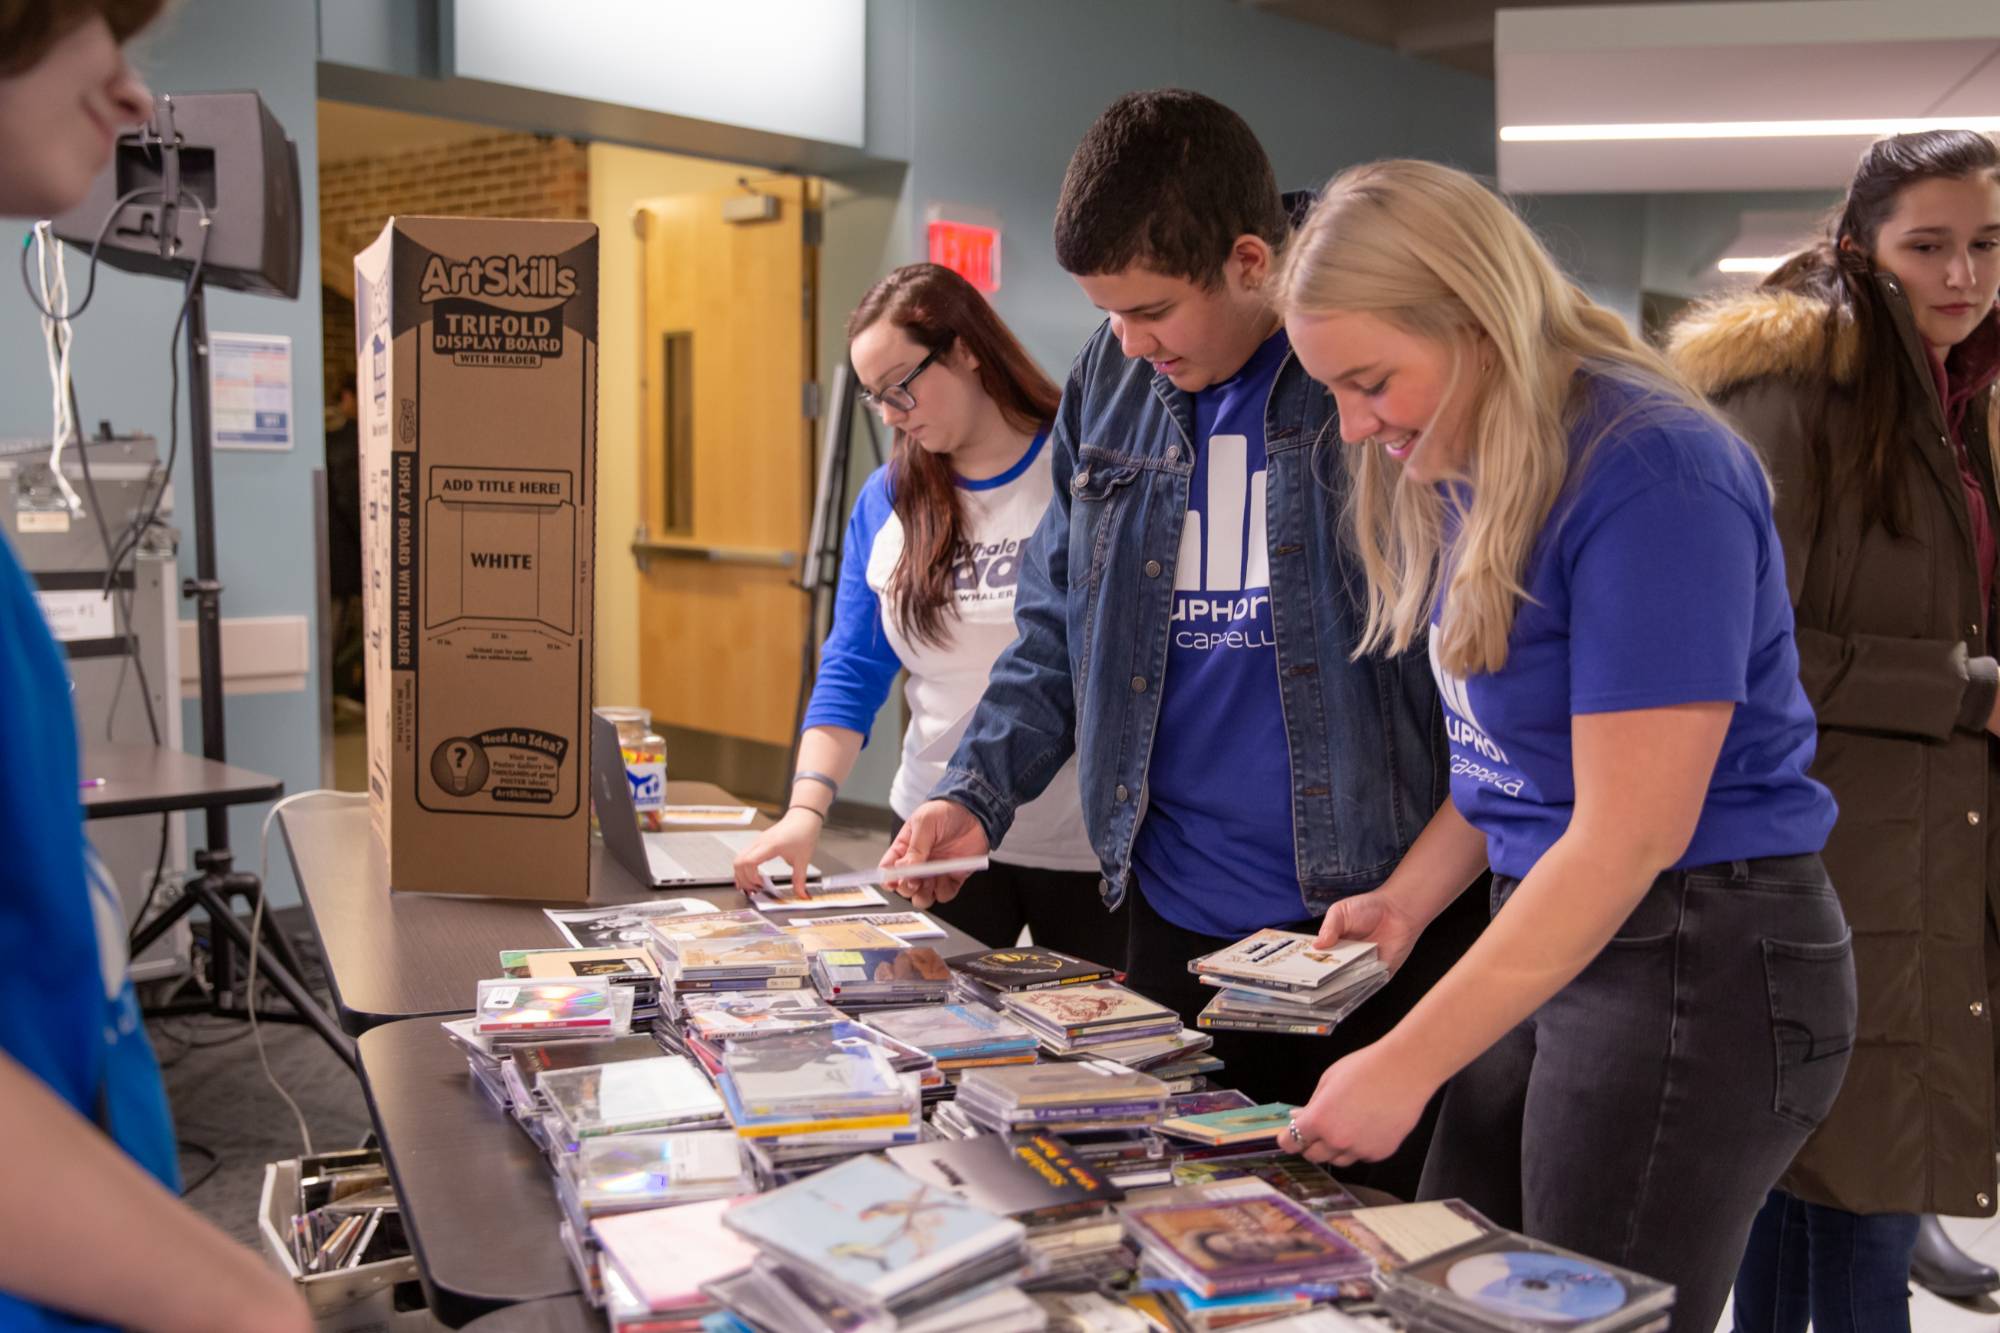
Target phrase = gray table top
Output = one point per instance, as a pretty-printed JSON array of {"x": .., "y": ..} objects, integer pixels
[
  {"x": 399, "y": 955},
  {"x": 478, "y": 1200},
  {"x": 565, "y": 1314},
  {"x": 152, "y": 780}
]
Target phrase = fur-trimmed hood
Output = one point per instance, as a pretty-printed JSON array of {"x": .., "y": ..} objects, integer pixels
[{"x": 1757, "y": 334}]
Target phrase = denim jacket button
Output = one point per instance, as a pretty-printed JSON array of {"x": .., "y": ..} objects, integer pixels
[
  {"x": 1152, "y": 569},
  {"x": 1138, "y": 684},
  {"x": 1173, "y": 453},
  {"x": 1080, "y": 480},
  {"x": 1122, "y": 793}
]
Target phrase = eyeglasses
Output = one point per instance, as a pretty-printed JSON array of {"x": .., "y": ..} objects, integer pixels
[{"x": 898, "y": 395}]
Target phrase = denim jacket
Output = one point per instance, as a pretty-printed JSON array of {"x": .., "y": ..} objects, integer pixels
[{"x": 1094, "y": 609}]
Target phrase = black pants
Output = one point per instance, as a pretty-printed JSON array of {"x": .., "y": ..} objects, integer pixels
[
  {"x": 1283, "y": 1067},
  {"x": 1643, "y": 1114},
  {"x": 1060, "y": 908}
]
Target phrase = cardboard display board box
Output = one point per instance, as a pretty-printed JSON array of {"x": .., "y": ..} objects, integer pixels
[{"x": 478, "y": 396}]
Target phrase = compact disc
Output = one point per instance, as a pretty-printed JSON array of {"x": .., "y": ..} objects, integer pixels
[{"x": 1549, "y": 1289}]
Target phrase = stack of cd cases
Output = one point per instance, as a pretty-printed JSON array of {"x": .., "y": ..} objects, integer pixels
[
  {"x": 881, "y": 1243},
  {"x": 715, "y": 1017},
  {"x": 1277, "y": 981},
  {"x": 1509, "y": 1283},
  {"x": 667, "y": 937},
  {"x": 665, "y": 1092},
  {"x": 524, "y": 1067},
  {"x": 511, "y": 1010},
  {"x": 1226, "y": 1247},
  {"x": 1061, "y": 1097},
  {"x": 628, "y": 966},
  {"x": 771, "y": 962},
  {"x": 958, "y": 1036},
  {"x": 1091, "y": 1014},
  {"x": 881, "y": 977},
  {"x": 816, "y": 1096},
  {"x": 630, "y": 1172}
]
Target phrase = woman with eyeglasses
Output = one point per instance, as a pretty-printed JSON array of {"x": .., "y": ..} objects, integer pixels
[{"x": 927, "y": 577}]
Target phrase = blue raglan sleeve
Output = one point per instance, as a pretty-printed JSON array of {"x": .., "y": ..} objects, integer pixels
[
  {"x": 1024, "y": 729},
  {"x": 857, "y": 666}
]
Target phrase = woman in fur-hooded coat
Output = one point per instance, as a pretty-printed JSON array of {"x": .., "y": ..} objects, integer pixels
[{"x": 1895, "y": 623}]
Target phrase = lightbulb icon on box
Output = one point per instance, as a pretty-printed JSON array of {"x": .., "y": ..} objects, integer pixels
[{"x": 459, "y": 766}]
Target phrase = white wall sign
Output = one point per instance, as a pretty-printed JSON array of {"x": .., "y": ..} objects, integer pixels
[
  {"x": 74, "y": 616},
  {"x": 250, "y": 390}
]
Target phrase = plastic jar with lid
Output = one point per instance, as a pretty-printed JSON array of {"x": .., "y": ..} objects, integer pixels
[{"x": 645, "y": 755}]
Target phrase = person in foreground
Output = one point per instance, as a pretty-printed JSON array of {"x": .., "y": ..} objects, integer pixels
[
  {"x": 1863, "y": 368},
  {"x": 1662, "y": 1007},
  {"x": 92, "y": 1234},
  {"x": 1186, "y": 611},
  {"x": 928, "y": 574}
]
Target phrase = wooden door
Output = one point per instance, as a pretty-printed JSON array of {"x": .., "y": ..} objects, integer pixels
[{"x": 726, "y": 463}]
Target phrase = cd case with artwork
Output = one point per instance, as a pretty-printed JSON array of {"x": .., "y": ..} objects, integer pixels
[
  {"x": 659, "y": 1093},
  {"x": 1226, "y": 1246},
  {"x": 1283, "y": 960},
  {"x": 875, "y": 1234},
  {"x": 528, "y": 1010},
  {"x": 808, "y": 1077},
  {"x": 1510, "y": 1283},
  {"x": 718, "y": 1016},
  {"x": 626, "y": 1172}
]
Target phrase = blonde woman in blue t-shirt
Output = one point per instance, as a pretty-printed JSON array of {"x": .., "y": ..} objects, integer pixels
[{"x": 1662, "y": 1006}]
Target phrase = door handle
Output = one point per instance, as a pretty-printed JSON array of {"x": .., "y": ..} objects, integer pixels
[{"x": 643, "y": 550}]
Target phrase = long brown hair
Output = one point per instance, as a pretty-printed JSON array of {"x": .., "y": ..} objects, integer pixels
[
  {"x": 1840, "y": 273},
  {"x": 936, "y": 307}
]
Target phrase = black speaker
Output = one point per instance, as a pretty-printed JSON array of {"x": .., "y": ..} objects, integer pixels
[{"x": 224, "y": 150}]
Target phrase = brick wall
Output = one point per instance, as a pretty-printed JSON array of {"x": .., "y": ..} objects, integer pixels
[{"x": 503, "y": 176}]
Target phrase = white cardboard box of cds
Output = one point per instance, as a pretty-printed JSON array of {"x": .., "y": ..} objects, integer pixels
[{"x": 349, "y": 1300}]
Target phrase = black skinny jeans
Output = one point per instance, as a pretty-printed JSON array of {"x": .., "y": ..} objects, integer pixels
[{"x": 1643, "y": 1114}]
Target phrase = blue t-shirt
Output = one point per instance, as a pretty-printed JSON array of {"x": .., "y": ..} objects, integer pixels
[
  {"x": 67, "y": 1012},
  {"x": 1214, "y": 853},
  {"x": 1658, "y": 580}
]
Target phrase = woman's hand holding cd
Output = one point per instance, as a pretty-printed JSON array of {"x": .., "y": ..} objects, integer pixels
[
  {"x": 1365, "y": 1106},
  {"x": 1376, "y": 918}
]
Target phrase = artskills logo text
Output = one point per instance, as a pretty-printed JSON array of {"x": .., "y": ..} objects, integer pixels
[{"x": 532, "y": 276}]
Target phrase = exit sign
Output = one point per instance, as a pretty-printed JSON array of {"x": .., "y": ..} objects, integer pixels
[{"x": 969, "y": 250}]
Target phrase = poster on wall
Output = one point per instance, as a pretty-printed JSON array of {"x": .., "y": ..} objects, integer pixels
[{"x": 250, "y": 390}]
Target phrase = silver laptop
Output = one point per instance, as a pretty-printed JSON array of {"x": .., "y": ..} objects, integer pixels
[{"x": 662, "y": 860}]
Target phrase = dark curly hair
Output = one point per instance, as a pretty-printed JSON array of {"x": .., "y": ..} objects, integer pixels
[{"x": 1169, "y": 179}]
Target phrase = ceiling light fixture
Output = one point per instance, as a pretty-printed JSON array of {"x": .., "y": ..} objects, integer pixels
[
  {"x": 1750, "y": 263},
  {"x": 1745, "y": 129}
]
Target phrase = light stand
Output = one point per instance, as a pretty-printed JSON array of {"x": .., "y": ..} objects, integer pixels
[
  {"x": 219, "y": 884},
  {"x": 819, "y": 571}
]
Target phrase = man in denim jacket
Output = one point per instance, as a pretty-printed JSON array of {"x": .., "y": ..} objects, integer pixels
[{"x": 1187, "y": 610}]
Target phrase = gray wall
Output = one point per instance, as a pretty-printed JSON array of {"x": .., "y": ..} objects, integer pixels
[
  {"x": 1687, "y": 233},
  {"x": 264, "y": 507},
  {"x": 987, "y": 101}
]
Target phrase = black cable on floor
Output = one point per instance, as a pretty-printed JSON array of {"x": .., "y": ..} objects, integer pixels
[{"x": 199, "y": 1150}]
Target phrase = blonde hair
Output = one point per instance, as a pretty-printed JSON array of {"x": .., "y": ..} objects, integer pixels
[{"x": 1435, "y": 253}]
